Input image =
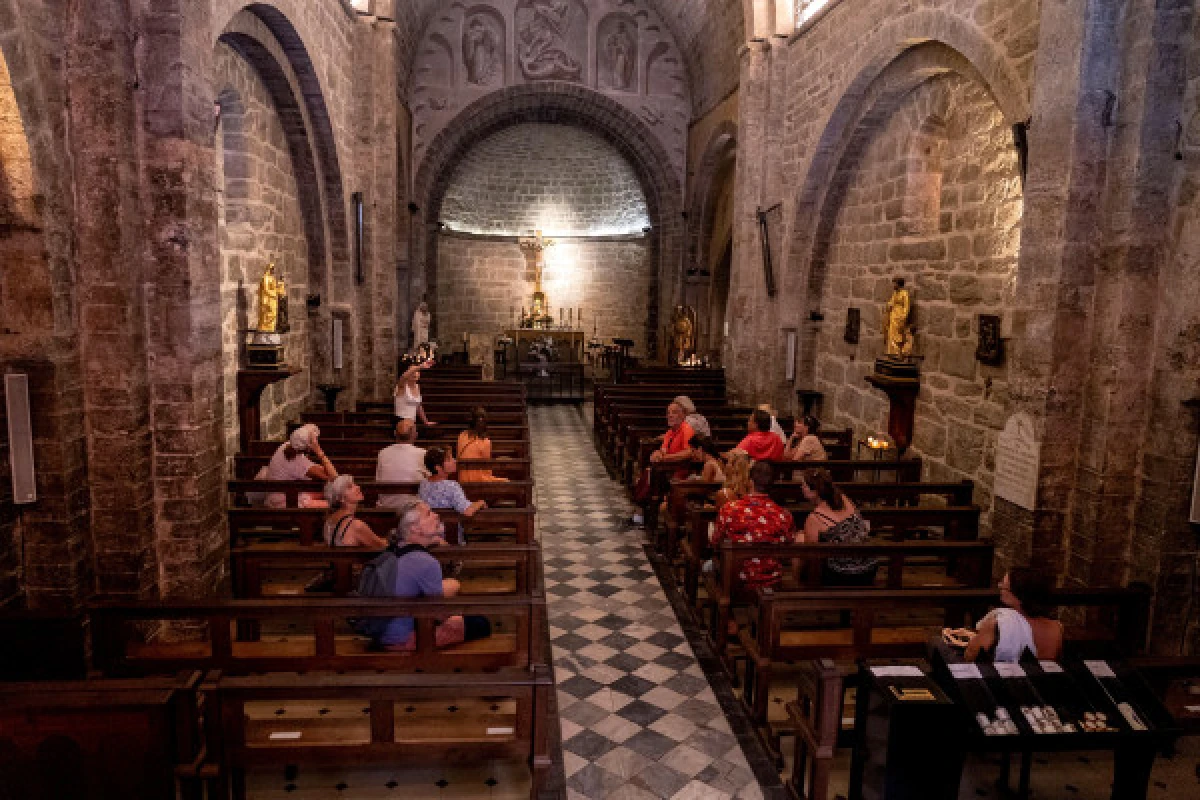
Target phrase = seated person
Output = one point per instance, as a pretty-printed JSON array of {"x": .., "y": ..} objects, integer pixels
[
  {"x": 737, "y": 480},
  {"x": 1023, "y": 623},
  {"x": 776, "y": 428},
  {"x": 342, "y": 528},
  {"x": 804, "y": 444},
  {"x": 834, "y": 519},
  {"x": 756, "y": 519},
  {"x": 290, "y": 462},
  {"x": 474, "y": 444},
  {"x": 760, "y": 443},
  {"x": 696, "y": 420},
  {"x": 704, "y": 449},
  {"x": 412, "y": 572},
  {"x": 440, "y": 490},
  {"x": 676, "y": 442},
  {"x": 402, "y": 462}
]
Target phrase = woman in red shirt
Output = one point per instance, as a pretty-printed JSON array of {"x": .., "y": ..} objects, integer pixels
[{"x": 761, "y": 444}]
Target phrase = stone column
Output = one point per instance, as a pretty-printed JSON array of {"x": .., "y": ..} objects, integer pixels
[
  {"x": 1055, "y": 276},
  {"x": 744, "y": 356},
  {"x": 181, "y": 265}
]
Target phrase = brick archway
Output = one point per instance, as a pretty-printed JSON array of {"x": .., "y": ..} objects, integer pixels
[{"x": 566, "y": 104}]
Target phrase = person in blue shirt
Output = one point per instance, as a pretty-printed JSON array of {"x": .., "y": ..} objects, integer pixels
[{"x": 441, "y": 491}]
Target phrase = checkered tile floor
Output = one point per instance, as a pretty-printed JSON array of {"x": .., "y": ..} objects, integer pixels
[{"x": 639, "y": 719}]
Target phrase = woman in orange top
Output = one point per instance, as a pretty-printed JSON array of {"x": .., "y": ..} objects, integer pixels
[{"x": 474, "y": 444}]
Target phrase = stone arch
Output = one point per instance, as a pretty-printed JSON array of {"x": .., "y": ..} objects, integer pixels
[
  {"x": 715, "y": 169},
  {"x": 561, "y": 103},
  {"x": 269, "y": 28},
  {"x": 892, "y": 61}
]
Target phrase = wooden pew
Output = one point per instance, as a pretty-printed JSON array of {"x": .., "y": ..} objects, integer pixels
[
  {"x": 1174, "y": 679},
  {"x": 455, "y": 407},
  {"x": 388, "y": 719},
  {"x": 900, "y": 623},
  {"x": 486, "y": 568},
  {"x": 102, "y": 739},
  {"x": 498, "y": 494},
  {"x": 305, "y": 525},
  {"x": 517, "y": 469},
  {"x": 202, "y": 635},
  {"x": 957, "y": 523},
  {"x": 685, "y": 493},
  {"x": 442, "y": 433},
  {"x": 458, "y": 372},
  {"x": 387, "y": 419},
  {"x": 903, "y": 565},
  {"x": 369, "y": 448}
]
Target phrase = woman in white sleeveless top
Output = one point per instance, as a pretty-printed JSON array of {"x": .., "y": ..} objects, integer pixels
[
  {"x": 408, "y": 402},
  {"x": 1023, "y": 623}
]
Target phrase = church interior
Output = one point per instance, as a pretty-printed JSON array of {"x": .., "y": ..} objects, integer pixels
[{"x": 589, "y": 399}]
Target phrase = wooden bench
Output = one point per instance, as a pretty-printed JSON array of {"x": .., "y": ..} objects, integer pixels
[
  {"x": 686, "y": 492},
  {"x": 452, "y": 407},
  {"x": 284, "y": 568},
  {"x": 903, "y": 565},
  {"x": 441, "y": 433},
  {"x": 388, "y": 420},
  {"x": 956, "y": 523},
  {"x": 516, "y": 469},
  {"x": 392, "y": 720},
  {"x": 370, "y": 448},
  {"x": 130, "y": 739},
  {"x": 900, "y": 623},
  {"x": 305, "y": 525},
  {"x": 309, "y": 634},
  {"x": 498, "y": 494}
]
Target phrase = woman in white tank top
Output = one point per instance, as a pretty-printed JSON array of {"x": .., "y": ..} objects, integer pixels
[
  {"x": 407, "y": 397},
  {"x": 1024, "y": 623}
]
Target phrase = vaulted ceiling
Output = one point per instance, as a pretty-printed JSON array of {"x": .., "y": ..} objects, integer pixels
[{"x": 708, "y": 32}]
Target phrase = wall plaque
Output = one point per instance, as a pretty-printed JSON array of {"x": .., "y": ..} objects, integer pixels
[
  {"x": 853, "y": 325},
  {"x": 1018, "y": 461}
]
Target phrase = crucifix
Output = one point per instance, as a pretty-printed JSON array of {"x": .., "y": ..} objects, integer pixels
[{"x": 535, "y": 253}]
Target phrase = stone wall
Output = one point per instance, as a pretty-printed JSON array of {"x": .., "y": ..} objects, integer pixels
[
  {"x": 483, "y": 282},
  {"x": 261, "y": 221},
  {"x": 559, "y": 179},
  {"x": 931, "y": 194}
]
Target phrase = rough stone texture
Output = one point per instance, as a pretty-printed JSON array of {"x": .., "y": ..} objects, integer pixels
[
  {"x": 261, "y": 221},
  {"x": 933, "y": 194},
  {"x": 558, "y": 179},
  {"x": 483, "y": 282},
  {"x": 444, "y": 85}
]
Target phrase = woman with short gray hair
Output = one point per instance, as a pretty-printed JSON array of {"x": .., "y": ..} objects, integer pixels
[{"x": 342, "y": 528}]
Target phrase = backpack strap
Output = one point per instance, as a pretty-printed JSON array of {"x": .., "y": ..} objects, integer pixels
[{"x": 400, "y": 552}]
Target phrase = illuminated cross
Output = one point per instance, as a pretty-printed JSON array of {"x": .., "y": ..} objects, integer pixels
[{"x": 535, "y": 249}]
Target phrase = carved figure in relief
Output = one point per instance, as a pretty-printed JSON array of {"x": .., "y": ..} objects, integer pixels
[
  {"x": 543, "y": 42},
  {"x": 621, "y": 50},
  {"x": 420, "y": 325},
  {"x": 480, "y": 52}
]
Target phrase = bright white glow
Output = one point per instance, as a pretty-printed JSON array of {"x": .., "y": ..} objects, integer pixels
[
  {"x": 361, "y": 6},
  {"x": 807, "y": 9}
]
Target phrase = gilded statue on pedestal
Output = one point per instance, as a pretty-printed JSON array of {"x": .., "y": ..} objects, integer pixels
[
  {"x": 271, "y": 290},
  {"x": 683, "y": 332},
  {"x": 897, "y": 327}
]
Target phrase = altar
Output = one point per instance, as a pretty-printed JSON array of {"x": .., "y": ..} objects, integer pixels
[{"x": 564, "y": 344}]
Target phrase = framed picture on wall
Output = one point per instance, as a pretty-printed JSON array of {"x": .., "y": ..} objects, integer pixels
[
  {"x": 356, "y": 209},
  {"x": 770, "y": 225}
]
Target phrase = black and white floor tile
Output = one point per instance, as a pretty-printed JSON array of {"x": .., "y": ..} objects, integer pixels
[{"x": 639, "y": 718}]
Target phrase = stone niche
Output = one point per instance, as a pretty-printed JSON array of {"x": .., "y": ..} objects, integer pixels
[
  {"x": 932, "y": 194},
  {"x": 620, "y": 48},
  {"x": 576, "y": 188}
]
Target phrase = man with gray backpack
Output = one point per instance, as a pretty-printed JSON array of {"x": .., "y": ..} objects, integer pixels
[{"x": 407, "y": 570}]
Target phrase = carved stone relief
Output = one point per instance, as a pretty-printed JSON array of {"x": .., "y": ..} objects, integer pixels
[
  {"x": 620, "y": 48},
  {"x": 551, "y": 39},
  {"x": 617, "y": 49},
  {"x": 483, "y": 47}
]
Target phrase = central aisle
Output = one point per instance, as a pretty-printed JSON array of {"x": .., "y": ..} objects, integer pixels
[{"x": 639, "y": 719}]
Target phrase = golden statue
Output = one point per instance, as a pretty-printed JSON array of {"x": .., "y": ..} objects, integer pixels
[
  {"x": 270, "y": 290},
  {"x": 683, "y": 332},
  {"x": 897, "y": 330}
]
